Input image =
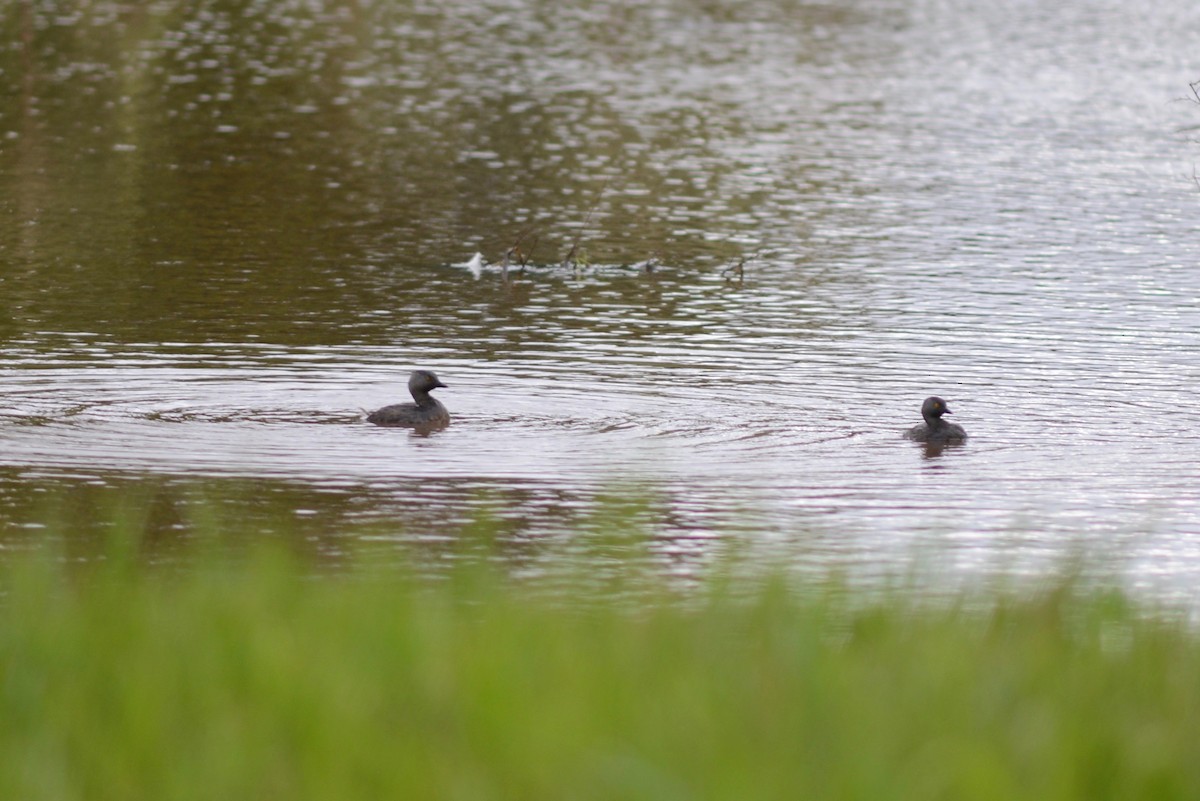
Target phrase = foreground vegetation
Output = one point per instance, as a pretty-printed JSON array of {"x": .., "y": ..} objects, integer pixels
[{"x": 262, "y": 676}]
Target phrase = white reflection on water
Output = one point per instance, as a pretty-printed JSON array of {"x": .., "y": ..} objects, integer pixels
[{"x": 806, "y": 450}]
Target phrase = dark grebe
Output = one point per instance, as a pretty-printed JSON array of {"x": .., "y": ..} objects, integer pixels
[
  {"x": 935, "y": 430},
  {"x": 426, "y": 411}
]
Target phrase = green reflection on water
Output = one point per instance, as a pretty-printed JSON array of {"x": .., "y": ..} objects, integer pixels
[
  {"x": 302, "y": 173},
  {"x": 164, "y": 520}
]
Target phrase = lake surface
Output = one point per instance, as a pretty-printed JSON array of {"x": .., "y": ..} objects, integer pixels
[{"x": 225, "y": 231}]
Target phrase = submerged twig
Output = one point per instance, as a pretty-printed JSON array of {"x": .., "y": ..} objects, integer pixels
[
  {"x": 648, "y": 265},
  {"x": 572, "y": 259},
  {"x": 1195, "y": 99},
  {"x": 735, "y": 271},
  {"x": 515, "y": 250}
]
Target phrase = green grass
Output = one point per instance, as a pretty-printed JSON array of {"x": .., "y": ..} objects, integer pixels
[{"x": 258, "y": 676}]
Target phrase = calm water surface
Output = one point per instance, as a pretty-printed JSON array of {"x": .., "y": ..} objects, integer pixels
[{"x": 226, "y": 231}]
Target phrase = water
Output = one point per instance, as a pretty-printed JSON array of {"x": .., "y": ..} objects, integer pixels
[{"x": 225, "y": 232}]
